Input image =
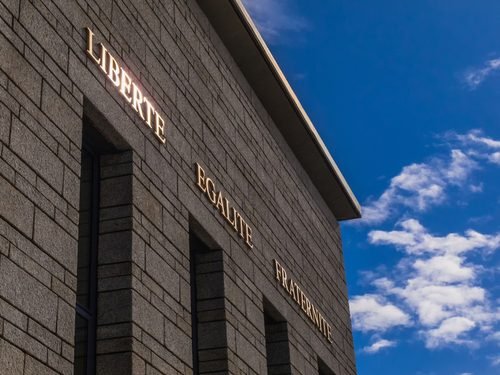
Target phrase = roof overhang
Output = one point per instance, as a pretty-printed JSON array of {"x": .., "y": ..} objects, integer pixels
[{"x": 236, "y": 29}]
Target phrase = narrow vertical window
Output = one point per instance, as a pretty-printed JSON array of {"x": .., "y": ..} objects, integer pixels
[
  {"x": 277, "y": 347},
  {"x": 86, "y": 301},
  {"x": 195, "y": 249},
  {"x": 209, "y": 331},
  {"x": 323, "y": 368}
]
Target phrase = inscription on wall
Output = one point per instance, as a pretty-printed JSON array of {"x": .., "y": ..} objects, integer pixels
[
  {"x": 222, "y": 204},
  {"x": 300, "y": 298},
  {"x": 127, "y": 88}
]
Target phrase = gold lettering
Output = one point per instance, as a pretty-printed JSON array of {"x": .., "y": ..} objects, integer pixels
[
  {"x": 329, "y": 332},
  {"x": 149, "y": 112},
  {"x": 200, "y": 173},
  {"x": 160, "y": 127},
  {"x": 128, "y": 89},
  {"x": 220, "y": 204},
  {"x": 233, "y": 220},
  {"x": 248, "y": 236},
  {"x": 126, "y": 85},
  {"x": 242, "y": 223},
  {"x": 236, "y": 217},
  {"x": 303, "y": 301},
  {"x": 104, "y": 53},
  {"x": 226, "y": 210},
  {"x": 308, "y": 308},
  {"x": 299, "y": 291},
  {"x": 315, "y": 313},
  {"x": 114, "y": 71},
  {"x": 311, "y": 311},
  {"x": 137, "y": 100},
  {"x": 323, "y": 325},
  {"x": 291, "y": 289},
  {"x": 284, "y": 278},
  {"x": 211, "y": 190},
  {"x": 90, "y": 46},
  {"x": 278, "y": 269}
]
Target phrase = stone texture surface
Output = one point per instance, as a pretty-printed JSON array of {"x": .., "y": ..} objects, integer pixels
[
  {"x": 150, "y": 203},
  {"x": 15, "y": 207},
  {"x": 36, "y": 154},
  {"x": 24, "y": 292},
  {"x": 19, "y": 70},
  {"x": 55, "y": 241},
  {"x": 11, "y": 359}
]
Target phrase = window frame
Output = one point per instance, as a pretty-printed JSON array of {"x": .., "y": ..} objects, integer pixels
[{"x": 90, "y": 314}]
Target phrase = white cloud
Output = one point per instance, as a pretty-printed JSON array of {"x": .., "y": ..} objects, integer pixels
[
  {"x": 384, "y": 283},
  {"x": 495, "y": 157},
  {"x": 444, "y": 269},
  {"x": 460, "y": 167},
  {"x": 476, "y": 188},
  {"x": 379, "y": 345},
  {"x": 433, "y": 303},
  {"x": 437, "y": 283},
  {"x": 372, "y": 313},
  {"x": 495, "y": 360},
  {"x": 476, "y": 136},
  {"x": 479, "y": 146},
  {"x": 420, "y": 186},
  {"x": 495, "y": 337},
  {"x": 275, "y": 19},
  {"x": 475, "y": 76},
  {"x": 414, "y": 239},
  {"x": 449, "y": 331}
]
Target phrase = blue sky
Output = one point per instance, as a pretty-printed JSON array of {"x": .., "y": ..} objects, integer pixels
[{"x": 406, "y": 95}]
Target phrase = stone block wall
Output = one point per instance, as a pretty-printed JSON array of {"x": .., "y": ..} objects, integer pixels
[{"x": 47, "y": 84}]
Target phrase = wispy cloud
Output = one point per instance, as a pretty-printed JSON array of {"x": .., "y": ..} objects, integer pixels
[
  {"x": 415, "y": 239},
  {"x": 474, "y": 77},
  {"x": 495, "y": 157},
  {"x": 420, "y": 186},
  {"x": 275, "y": 19},
  {"x": 438, "y": 283},
  {"x": 451, "y": 330},
  {"x": 476, "y": 136},
  {"x": 478, "y": 145},
  {"x": 438, "y": 286},
  {"x": 379, "y": 345},
  {"x": 495, "y": 337},
  {"x": 372, "y": 313},
  {"x": 495, "y": 360},
  {"x": 476, "y": 188}
]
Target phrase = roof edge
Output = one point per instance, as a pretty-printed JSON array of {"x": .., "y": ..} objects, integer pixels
[{"x": 260, "y": 44}]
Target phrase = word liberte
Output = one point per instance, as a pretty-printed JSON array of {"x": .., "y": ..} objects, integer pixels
[
  {"x": 128, "y": 89},
  {"x": 221, "y": 203},
  {"x": 296, "y": 293}
]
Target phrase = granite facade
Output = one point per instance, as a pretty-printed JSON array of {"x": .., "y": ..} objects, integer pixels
[{"x": 150, "y": 204}]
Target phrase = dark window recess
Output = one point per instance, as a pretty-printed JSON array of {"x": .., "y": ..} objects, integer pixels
[
  {"x": 105, "y": 221},
  {"x": 195, "y": 248},
  {"x": 86, "y": 298},
  {"x": 207, "y": 309},
  {"x": 277, "y": 346},
  {"x": 323, "y": 368}
]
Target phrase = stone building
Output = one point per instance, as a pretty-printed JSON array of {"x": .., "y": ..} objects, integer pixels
[{"x": 166, "y": 205}]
